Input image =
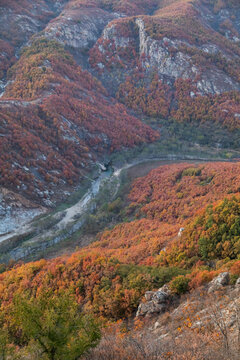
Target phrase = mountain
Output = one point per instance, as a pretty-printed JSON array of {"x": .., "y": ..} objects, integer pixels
[
  {"x": 119, "y": 179},
  {"x": 177, "y": 60}
]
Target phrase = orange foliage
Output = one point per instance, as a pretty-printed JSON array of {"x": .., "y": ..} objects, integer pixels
[
  {"x": 171, "y": 98},
  {"x": 173, "y": 193},
  {"x": 109, "y": 276},
  {"x": 136, "y": 242},
  {"x": 101, "y": 284},
  {"x": 153, "y": 100}
]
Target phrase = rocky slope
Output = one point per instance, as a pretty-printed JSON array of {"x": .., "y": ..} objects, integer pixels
[
  {"x": 46, "y": 91},
  {"x": 202, "y": 325},
  {"x": 193, "y": 41},
  {"x": 177, "y": 60}
]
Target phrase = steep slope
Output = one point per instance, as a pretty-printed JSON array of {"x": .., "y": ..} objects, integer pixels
[
  {"x": 57, "y": 118},
  {"x": 166, "y": 200},
  {"x": 182, "y": 62},
  {"x": 77, "y": 79},
  {"x": 110, "y": 276},
  {"x": 19, "y": 20},
  {"x": 150, "y": 56}
]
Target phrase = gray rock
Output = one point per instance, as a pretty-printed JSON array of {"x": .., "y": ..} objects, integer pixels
[
  {"x": 238, "y": 283},
  {"x": 213, "y": 81},
  {"x": 165, "y": 288},
  {"x": 149, "y": 295},
  {"x": 81, "y": 28},
  {"x": 156, "y": 302},
  {"x": 160, "y": 297},
  {"x": 219, "y": 282},
  {"x": 149, "y": 308},
  {"x": 215, "y": 287},
  {"x": 157, "y": 325},
  {"x": 222, "y": 279}
]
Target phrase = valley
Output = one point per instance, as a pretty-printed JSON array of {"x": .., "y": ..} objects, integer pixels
[
  {"x": 119, "y": 179},
  {"x": 33, "y": 240}
]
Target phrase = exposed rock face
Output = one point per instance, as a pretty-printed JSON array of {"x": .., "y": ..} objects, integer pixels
[
  {"x": 20, "y": 20},
  {"x": 237, "y": 285},
  {"x": 180, "y": 65},
  {"x": 158, "y": 56},
  {"x": 219, "y": 282},
  {"x": 205, "y": 311},
  {"x": 15, "y": 211},
  {"x": 127, "y": 47},
  {"x": 79, "y": 28},
  {"x": 111, "y": 33},
  {"x": 168, "y": 56},
  {"x": 156, "y": 302}
]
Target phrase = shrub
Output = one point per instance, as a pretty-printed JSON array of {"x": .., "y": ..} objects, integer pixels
[
  {"x": 191, "y": 172},
  {"x": 54, "y": 325},
  {"x": 179, "y": 285}
]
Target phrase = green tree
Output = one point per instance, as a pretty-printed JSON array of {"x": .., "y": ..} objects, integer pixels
[
  {"x": 179, "y": 284},
  {"x": 6, "y": 348},
  {"x": 3, "y": 343},
  {"x": 54, "y": 325}
]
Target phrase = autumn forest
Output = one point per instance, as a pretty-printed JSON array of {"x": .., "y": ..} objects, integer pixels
[{"x": 119, "y": 180}]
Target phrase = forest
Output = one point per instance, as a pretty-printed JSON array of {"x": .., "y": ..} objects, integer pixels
[
  {"x": 107, "y": 279},
  {"x": 91, "y": 87}
]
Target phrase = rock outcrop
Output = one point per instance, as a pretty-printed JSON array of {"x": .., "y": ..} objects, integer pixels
[
  {"x": 156, "y": 302},
  {"x": 15, "y": 210},
  {"x": 219, "y": 282},
  {"x": 79, "y": 28}
]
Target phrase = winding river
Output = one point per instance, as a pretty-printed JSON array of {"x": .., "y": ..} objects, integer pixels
[{"x": 67, "y": 222}]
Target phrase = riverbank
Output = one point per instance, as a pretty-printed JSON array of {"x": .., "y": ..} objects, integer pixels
[{"x": 47, "y": 236}]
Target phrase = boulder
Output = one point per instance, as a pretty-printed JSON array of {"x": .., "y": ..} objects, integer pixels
[
  {"x": 160, "y": 297},
  {"x": 150, "y": 308},
  {"x": 222, "y": 279},
  {"x": 219, "y": 282},
  {"x": 237, "y": 285},
  {"x": 156, "y": 302},
  {"x": 165, "y": 288},
  {"x": 157, "y": 325},
  {"x": 149, "y": 295}
]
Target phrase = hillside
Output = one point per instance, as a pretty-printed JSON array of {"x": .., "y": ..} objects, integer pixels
[
  {"x": 109, "y": 277},
  {"x": 152, "y": 62},
  {"x": 119, "y": 179},
  {"x": 184, "y": 61}
]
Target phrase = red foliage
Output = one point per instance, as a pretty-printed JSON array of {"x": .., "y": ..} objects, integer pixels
[
  {"x": 153, "y": 99},
  {"x": 61, "y": 119},
  {"x": 106, "y": 277},
  {"x": 112, "y": 55},
  {"x": 173, "y": 193},
  {"x": 223, "y": 108},
  {"x": 7, "y": 57},
  {"x": 136, "y": 242}
]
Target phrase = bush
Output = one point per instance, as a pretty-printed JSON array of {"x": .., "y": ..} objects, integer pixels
[
  {"x": 179, "y": 285},
  {"x": 191, "y": 172},
  {"x": 51, "y": 324}
]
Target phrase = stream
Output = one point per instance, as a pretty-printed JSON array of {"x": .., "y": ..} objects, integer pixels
[{"x": 66, "y": 222}]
